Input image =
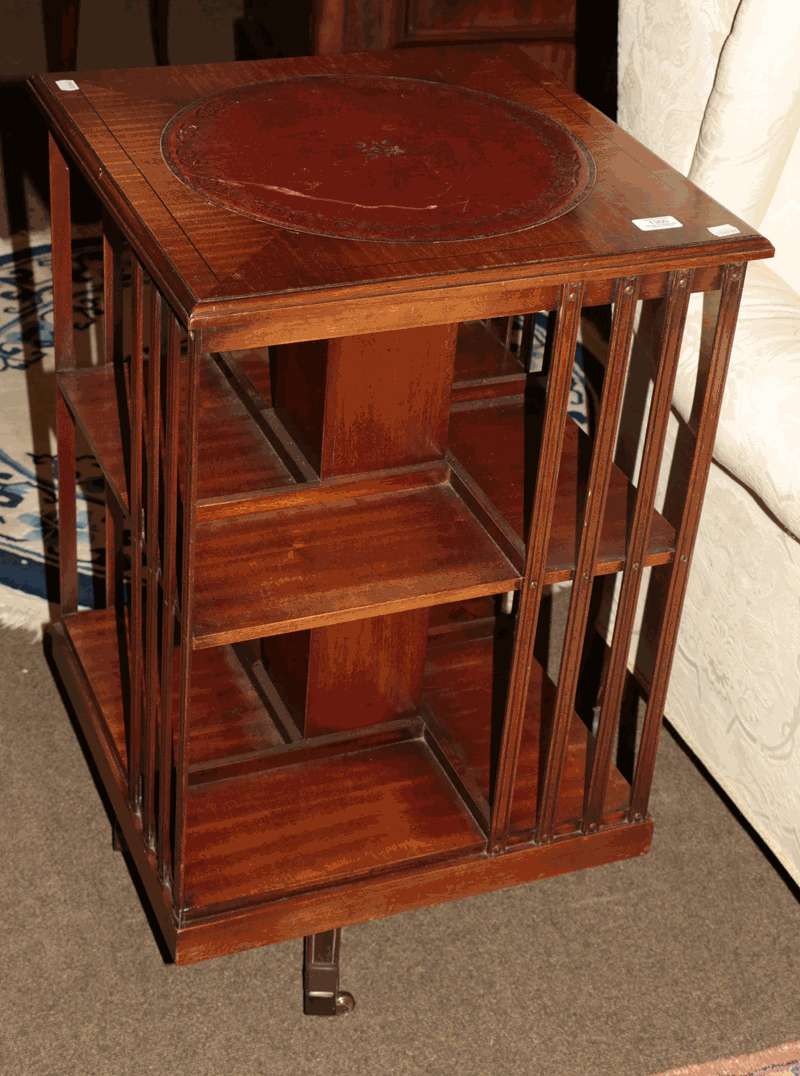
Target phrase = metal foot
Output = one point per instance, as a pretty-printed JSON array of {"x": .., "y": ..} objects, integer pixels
[
  {"x": 321, "y": 993},
  {"x": 117, "y": 840}
]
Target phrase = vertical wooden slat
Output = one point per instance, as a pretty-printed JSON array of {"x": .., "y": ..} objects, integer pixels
[
  {"x": 189, "y": 487},
  {"x": 64, "y": 340},
  {"x": 137, "y": 551},
  {"x": 678, "y": 295},
  {"x": 112, "y": 352},
  {"x": 732, "y": 285},
  {"x": 169, "y": 591},
  {"x": 566, "y": 335},
  {"x": 153, "y": 574},
  {"x": 593, "y": 514}
]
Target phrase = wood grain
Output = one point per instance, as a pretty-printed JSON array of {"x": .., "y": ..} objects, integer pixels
[
  {"x": 305, "y": 567},
  {"x": 493, "y": 445}
]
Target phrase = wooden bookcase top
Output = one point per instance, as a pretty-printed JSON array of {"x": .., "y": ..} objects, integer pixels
[{"x": 221, "y": 270}]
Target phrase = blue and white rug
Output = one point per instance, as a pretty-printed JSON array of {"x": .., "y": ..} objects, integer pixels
[{"x": 28, "y": 463}]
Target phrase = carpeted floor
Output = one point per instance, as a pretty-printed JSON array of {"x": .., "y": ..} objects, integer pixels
[
  {"x": 779, "y": 1061},
  {"x": 688, "y": 954}
]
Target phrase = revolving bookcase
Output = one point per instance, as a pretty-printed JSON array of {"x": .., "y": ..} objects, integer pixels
[{"x": 314, "y": 694}]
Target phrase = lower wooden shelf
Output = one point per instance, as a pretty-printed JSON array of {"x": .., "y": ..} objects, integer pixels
[
  {"x": 270, "y": 823},
  {"x": 463, "y": 703},
  {"x": 320, "y": 821},
  {"x": 228, "y": 716}
]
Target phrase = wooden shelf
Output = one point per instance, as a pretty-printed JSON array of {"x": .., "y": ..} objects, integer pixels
[
  {"x": 463, "y": 702},
  {"x": 369, "y": 801},
  {"x": 323, "y": 820},
  {"x": 319, "y": 564},
  {"x": 227, "y": 716},
  {"x": 233, "y": 453},
  {"x": 492, "y": 444},
  {"x": 484, "y": 366}
]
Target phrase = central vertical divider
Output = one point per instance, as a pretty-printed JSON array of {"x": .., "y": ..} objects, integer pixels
[{"x": 358, "y": 404}]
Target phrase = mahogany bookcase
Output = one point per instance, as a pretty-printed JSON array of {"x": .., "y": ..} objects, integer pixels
[{"x": 307, "y": 697}]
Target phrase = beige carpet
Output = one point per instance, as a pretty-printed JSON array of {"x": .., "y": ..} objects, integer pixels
[{"x": 633, "y": 968}]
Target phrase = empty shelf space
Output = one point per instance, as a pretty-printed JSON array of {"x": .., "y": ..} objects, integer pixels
[
  {"x": 92, "y": 396},
  {"x": 463, "y": 701},
  {"x": 322, "y": 821},
  {"x": 304, "y": 567},
  {"x": 490, "y": 444},
  {"x": 484, "y": 366},
  {"x": 227, "y": 718},
  {"x": 233, "y": 452},
  {"x": 255, "y": 365}
]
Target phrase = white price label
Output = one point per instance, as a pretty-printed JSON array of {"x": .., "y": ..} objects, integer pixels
[
  {"x": 724, "y": 229},
  {"x": 656, "y": 224},
  {"x": 66, "y": 84}
]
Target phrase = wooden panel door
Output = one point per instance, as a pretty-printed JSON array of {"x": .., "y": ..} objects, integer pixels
[{"x": 544, "y": 28}]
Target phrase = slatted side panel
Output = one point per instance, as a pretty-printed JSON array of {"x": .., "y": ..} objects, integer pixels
[
  {"x": 169, "y": 592},
  {"x": 677, "y": 302},
  {"x": 158, "y": 396},
  {"x": 563, "y": 350},
  {"x": 112, "y": 354},
  {"x": 587, "y": 558},
  {"x": 64, "y": 342},
  {"x": 558, "y": 731},
  {"x": 154, "y": 493},
  {"x": 707, "y": 404}
]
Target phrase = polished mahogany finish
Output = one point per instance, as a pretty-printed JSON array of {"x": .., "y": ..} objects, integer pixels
[{"x": 318, "y": 693}]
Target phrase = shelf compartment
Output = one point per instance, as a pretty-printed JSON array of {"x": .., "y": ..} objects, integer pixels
[
  {"x": 484, "y": 366},
  {"x": 463, "y": 701},
  {"x": 233, "y": 452},
  {"x": 320, "y": 564},
  {"x": 227, "y": 716},
  {"x": 489, "y": 442},
  {"x": 322, "y": 821}
]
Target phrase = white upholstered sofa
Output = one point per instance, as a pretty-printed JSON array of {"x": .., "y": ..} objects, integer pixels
[{"x": 713, "y": 87}]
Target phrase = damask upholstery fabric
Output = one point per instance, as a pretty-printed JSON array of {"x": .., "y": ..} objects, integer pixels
[
  {"x": 758, "y": 438},
  {"x": 668, "y": 51},
  {"x": 753, "y": 111},
  {"x": 713, "y": 87}
]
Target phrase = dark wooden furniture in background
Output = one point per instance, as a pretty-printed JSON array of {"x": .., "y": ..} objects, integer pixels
[
  {"x": 309, "y": 704},
  {"x": 544, "y": 29},
  {"x": 61, "y": 20}
]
